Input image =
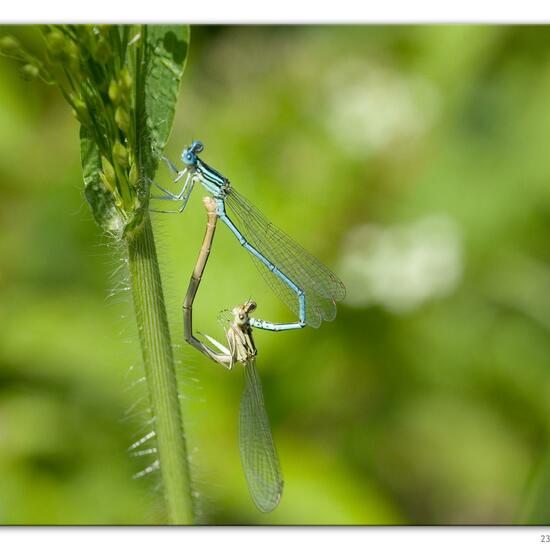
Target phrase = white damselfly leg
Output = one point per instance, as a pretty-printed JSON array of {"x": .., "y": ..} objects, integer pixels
[
  {"x": 182, "y": 196},
  {"x": 168, "y": 195},
  {"x": 170, "y": 165}
]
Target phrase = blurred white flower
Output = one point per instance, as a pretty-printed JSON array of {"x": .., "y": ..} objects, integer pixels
[
  {"x": 403, "y": 266},
  {"x": 372, "y": 108}
]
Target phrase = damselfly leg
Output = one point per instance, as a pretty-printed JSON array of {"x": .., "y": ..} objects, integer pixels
[{"x": 167, "y": 195}]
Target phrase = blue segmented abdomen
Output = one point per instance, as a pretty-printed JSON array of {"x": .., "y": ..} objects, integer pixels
[{"x": 322, "y": 289}]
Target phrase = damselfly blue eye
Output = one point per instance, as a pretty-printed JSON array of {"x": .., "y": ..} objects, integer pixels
[
  {"x": 197, "y": 146},
  {"x": 188, "y": 157}
]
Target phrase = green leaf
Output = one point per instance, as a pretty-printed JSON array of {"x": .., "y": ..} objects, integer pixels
[
  {"x": 101, "y": 200},
  {"x": 157, "y": 63},
  {"x": 166, "y": 54}
]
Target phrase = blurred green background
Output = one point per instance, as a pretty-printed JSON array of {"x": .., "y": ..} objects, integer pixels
[{"x": 413, "y": 160}]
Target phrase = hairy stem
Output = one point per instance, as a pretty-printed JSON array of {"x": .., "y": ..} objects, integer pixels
[{"x": 160, "y": 373}]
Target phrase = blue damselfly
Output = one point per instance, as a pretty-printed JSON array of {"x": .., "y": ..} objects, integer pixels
[{"x": 307, "y": 287}]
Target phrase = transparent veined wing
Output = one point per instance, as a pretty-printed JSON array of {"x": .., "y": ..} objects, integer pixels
[
  {"x": 322, "y": 288},
  {"x": 258, "y": 454}
]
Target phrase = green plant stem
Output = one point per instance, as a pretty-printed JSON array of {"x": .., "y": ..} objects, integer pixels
[{"x": 160, "y": 373}]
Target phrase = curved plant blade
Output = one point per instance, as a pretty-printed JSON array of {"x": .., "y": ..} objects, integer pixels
[
  {"x": 155, "y": 57},
  {"x": 166, "y": 51}
]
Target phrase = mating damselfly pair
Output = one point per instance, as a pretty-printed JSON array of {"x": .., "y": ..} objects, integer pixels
[{"x": 308, "y": 288}]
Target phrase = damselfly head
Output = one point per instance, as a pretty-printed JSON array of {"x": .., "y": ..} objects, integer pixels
[
  {"x": 241, "y": 317},
  {"x": 197, "y": 146},
  {"x": 249, "y": 306},
  {"x": 189, "y": 155},
  {"x": 241, "y": 313}
]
